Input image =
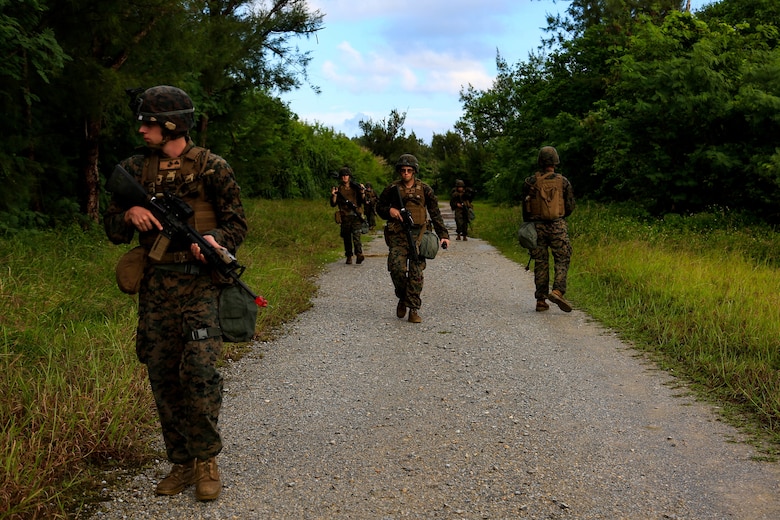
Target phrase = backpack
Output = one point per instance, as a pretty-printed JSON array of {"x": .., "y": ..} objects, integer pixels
[{"x": 545, "y": 200}]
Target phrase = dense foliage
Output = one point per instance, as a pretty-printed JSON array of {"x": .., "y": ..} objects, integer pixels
[
  {"x": 673, "y": 111},
  {"x": 67, "y": 66}
]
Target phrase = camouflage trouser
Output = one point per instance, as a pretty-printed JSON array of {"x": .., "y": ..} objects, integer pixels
[
  {"x": 552, "y": 237},
  {"x": 462, "y": 221},
  {"x": 350, "y": 232},
  {"x": 186, "y": 385},
  {"x": 408, "y": 286},
  {"x": 371, "y": 217}
]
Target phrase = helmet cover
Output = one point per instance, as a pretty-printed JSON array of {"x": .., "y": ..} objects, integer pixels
[
  {"x": 168, "y": 106},
  {"x": 407, "y": 159},
  {"x": 548, "y": 156}
]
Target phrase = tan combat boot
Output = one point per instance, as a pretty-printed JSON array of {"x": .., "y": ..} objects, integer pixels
[
  {"x": 208, "y": 486},
  {"x": 557, "y": 298},
  {"x": 349, "y": 259},
  {"x": 360, "y": 259},
  {"x": 541, "y": 306},
  {"x": 181, "y": 476},
  {"x": 414, "y": 317}
]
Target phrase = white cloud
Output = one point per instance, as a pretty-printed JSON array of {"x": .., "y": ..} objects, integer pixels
[
  {"x": 422, "y": 72},
  {"x": 415, "y": 56}
]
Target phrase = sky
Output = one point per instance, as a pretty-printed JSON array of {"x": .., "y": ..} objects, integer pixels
[{"x": 414, "y": 56}]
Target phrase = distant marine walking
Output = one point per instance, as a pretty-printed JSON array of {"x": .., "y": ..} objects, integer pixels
[
  {"x": 348, "y": 196},
  {"x": 411, "y": 198},
  {"x": 548, "y": 199},
  {"x": 462, "y": 208}
]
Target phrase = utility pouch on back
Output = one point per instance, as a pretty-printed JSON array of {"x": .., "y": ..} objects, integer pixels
[{"x": 130, "y": 270}]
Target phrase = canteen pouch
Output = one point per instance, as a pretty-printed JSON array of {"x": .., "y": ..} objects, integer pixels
[
  {"x": 429, "y": 245},
  {"x": 337, "y": 217},
  {"x": 237, "y": 314},
  {"x": 130, "y": 270},
  {"x": 526, "y": 235}
]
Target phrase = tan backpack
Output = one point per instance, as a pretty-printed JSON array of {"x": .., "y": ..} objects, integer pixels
[{"x": 545, "y": 199}]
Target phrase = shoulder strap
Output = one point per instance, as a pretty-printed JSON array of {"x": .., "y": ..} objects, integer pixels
[
  {"x": 151, "y": 168},
  {"x": 199, "y": 156}
]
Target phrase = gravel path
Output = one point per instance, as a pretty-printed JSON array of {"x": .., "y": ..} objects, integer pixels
[{"x": 486, "y": 410}]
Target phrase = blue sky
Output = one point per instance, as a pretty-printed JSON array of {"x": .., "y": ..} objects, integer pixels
[{"x": 373, "y": 56}]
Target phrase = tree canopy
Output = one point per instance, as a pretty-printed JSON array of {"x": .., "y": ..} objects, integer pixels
[
  {"x": 671, "y": 110},
  {"x": 646, "y": 102},
  {"x": 67, "y": 117}
]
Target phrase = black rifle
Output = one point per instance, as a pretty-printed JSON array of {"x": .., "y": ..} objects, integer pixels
[
  {"x": 351, "y": 205},
  {"x": 407, "y": 222},
  {"x": 173, "y": 213}
]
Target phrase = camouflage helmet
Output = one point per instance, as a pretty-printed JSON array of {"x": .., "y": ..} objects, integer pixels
[
  {"x": 460, "y": 184},
  {"x": 168, "y": 106},
  {"x": 408, "y": 159},
  {"x": 548, "y": 156}
]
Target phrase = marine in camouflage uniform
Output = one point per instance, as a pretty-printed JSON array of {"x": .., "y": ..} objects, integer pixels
[
  {"x": 461, "y": 199},
  {"x": 420, "y": 201},
  {"x": 178, "y": 295},
  {"x": 371, "y": 200},
  {"x": 552, "y": 234},
  {"x": 351, "y": 217}
]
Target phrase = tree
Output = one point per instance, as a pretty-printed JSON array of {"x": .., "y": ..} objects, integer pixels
[
  {"x": 31, "y": 55},
  {"x": 102, "y": 37},
  {"x": 245, "y": 45},
  {"x": 387, "y": 139},
  {"x": 644, "y": 103},
  {"x": 218, "y": 51}
]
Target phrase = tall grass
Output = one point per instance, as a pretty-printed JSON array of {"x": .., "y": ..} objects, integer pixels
[
  {"x": 700, "y": 293},
  {"x": 73, "y": 397}
]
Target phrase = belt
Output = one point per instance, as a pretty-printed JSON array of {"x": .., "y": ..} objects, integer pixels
[{"x": 183, "y": 268}]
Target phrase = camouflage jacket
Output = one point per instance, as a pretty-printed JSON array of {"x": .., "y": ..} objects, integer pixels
[
  {"x": 221, "y": 189},
  {"x": 389, "y": 199}
]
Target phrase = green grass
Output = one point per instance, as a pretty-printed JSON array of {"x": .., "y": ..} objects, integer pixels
[
  {"x": 700, "y": 294},
  {"x": 73, "y": 397}
]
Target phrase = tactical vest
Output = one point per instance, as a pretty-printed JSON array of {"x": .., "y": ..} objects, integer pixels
[
  {"x": 348, "y": 193},
  {"x": 545, "y": 198},
  {"x": 414, "y": 202},
  {"x": 184, "y": 177}
]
